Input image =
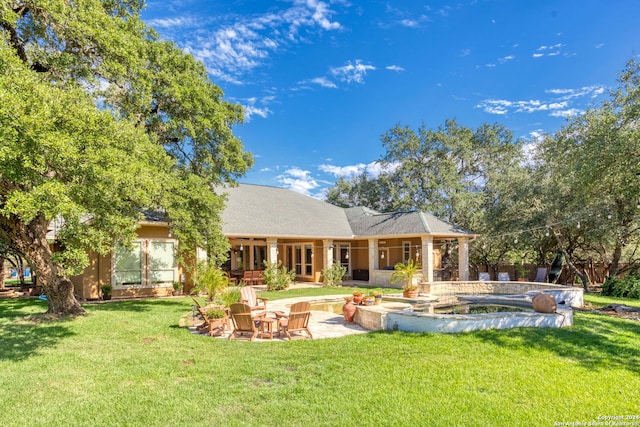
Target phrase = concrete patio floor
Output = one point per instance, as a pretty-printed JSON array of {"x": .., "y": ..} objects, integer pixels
[{"x": 323, "y": 324}]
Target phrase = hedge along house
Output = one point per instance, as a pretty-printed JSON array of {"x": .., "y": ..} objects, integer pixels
[
  {"x": 270, "y": 224},
  {"x": 305, "y": 234}
]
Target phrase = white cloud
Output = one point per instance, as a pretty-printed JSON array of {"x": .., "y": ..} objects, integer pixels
[
  {"x": 352, "y": 72},
  {"x": 298, "y": 180},
  {"x": 563, "y": 103},
  {"x": 506, "y": 58},
  {"x": 372, "y": 169},
  {"x": 538, "y": 55},
  {"x": 571, "y": 112},
  {"x": 599, "y": 45},
  {"x": 324, "y": 82},
  {"x": 346, "y": 171},
  {"x": 232, "y": 50},
  {"x": 394, "y": 68}
]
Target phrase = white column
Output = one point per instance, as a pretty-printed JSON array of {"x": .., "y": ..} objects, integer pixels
[
  {"x": 463, "y": 258},
  {"x": 327, "y": 253},
  {"x": 427, "y": 258},
  {"x": 272, "y": 254},
  {"x": 373, "y": 257}
]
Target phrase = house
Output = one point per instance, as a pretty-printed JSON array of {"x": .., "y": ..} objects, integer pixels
[{"x": 275, "y": 224}]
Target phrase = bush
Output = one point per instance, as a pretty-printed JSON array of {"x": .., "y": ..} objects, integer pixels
[
  {"x": 277, "y": 277},
  {"x": 629, "y": 287},
  {"x": 332, "y": 276},
  {"x": 210, "y": 279}
]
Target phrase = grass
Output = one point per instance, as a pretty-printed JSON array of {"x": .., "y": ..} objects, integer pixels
[{"x": 129, "y": 363}]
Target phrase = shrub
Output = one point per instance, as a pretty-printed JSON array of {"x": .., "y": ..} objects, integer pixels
[
  {"x": 210, "y": 279},
  {"x": 277, "y": 277},
  {"x": 332, "y": 276},
  {"x": 629, "y": 287}
]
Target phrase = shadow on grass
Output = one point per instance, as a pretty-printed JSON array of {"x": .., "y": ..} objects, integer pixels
[
  {"x": 596, "y": 341},
  {"x": 24, "y": 330},
  {"x": 139, "y": 305}
]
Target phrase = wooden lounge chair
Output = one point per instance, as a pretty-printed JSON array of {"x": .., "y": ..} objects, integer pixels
[
  {"x": 297, "y": 320},
  {"x": 250, "y": 298},
  {"x": 244, "y": 322},
  {"x": 211, "y": 326},
  {"x": 247, "y": 277},
  {"x": 257, "y": 277}
]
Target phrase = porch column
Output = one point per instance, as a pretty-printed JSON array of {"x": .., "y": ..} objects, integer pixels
[
  {"x": 427, "y": 258},
  {"x": 327, "y": 253},
  {"x": 463, "y": 258},
  {"x": 272, "y": 253},
  {"x": 373, "y": 257}
]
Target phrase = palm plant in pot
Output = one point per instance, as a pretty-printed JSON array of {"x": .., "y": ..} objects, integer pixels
[{"x": 404, "y": 273}]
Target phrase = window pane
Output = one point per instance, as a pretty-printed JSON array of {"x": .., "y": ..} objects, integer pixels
[
  {"x": 128, "y": 268},
  {"x": 162, "y": 262}
]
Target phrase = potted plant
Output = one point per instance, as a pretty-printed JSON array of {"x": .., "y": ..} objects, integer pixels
[
  {"x": 522, "y": 272},
  {"x": 177, "y": 288},
  {"x": 369, "y": 300},
  {"x": 404, "y": 273},
  {"x": 106, "y": 292},
  {"x": 377, "y": 294},
  {"x": 357, "y": 297}
]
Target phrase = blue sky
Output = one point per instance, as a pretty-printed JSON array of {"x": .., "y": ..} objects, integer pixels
[{"x": 321, "y": 81}]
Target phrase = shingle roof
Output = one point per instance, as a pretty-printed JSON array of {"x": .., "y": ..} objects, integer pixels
[
  {"x": 367, "y": 222},
  {"x": 256, "y": 210}
]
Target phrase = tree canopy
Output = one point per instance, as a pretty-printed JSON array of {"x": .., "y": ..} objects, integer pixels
[
  {"x": 577, "y": 193},
  {"x": 101, "y": 121}
]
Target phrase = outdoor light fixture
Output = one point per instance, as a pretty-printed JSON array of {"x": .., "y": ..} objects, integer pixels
[
  {"x": 382, "y": 255},
  {"x": 578, "y": 224},
  {"x": 241, "y": 247},
  {"x": 347, "y": 255}
]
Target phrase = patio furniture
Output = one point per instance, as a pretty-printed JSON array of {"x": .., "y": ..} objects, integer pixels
[
  {"x": 267, "y": 327},
  {"x": 247, "y": 277},
  {"x": 503, "y": 276},
  {"x": 297, "y": 320},
  {"x": 257, "y": 277},
  {"x": 249, "y": 297},
  {"x": 244, "y": 322},
  {"x": 213, "y": 327},
  {"x": 541, "y": 275},
  {"x": 484, "y": 276}
]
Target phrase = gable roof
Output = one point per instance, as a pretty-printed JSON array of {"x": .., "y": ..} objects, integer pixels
[
  {"x": 367, "y": 222},
  {"x": 257, "y": 210}
]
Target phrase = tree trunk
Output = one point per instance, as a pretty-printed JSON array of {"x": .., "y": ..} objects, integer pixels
[
  {"x": 31, "y": 240},
  {"x": 584, "y": 276},
  {"x": 2, "y": 273},
  {"x": 614, "y": 266}
]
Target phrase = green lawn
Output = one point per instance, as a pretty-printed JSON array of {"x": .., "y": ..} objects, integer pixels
[{"x": 129, "y": 363}]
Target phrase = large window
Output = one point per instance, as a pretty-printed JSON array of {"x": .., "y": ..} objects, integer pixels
[
  {"x": 148, "y": 263},
  {"x": 128, "y": 265},
  {"x": 302, "y": 259}
]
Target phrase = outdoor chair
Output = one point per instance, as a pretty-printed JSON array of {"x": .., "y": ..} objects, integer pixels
[
  {"x": 244, "y": 322},
  {"x": 247, "y": 277},
  {"x": 504, "y": 277},
  {"x": 297, "y": 320},
  {"x": 541, "y": 275},
  {"x": 249, "y": 297},
  {"x": 257, "y": 277},
  {"x": 210, "y": 326},
  {"x": 484, "y": 276}
]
